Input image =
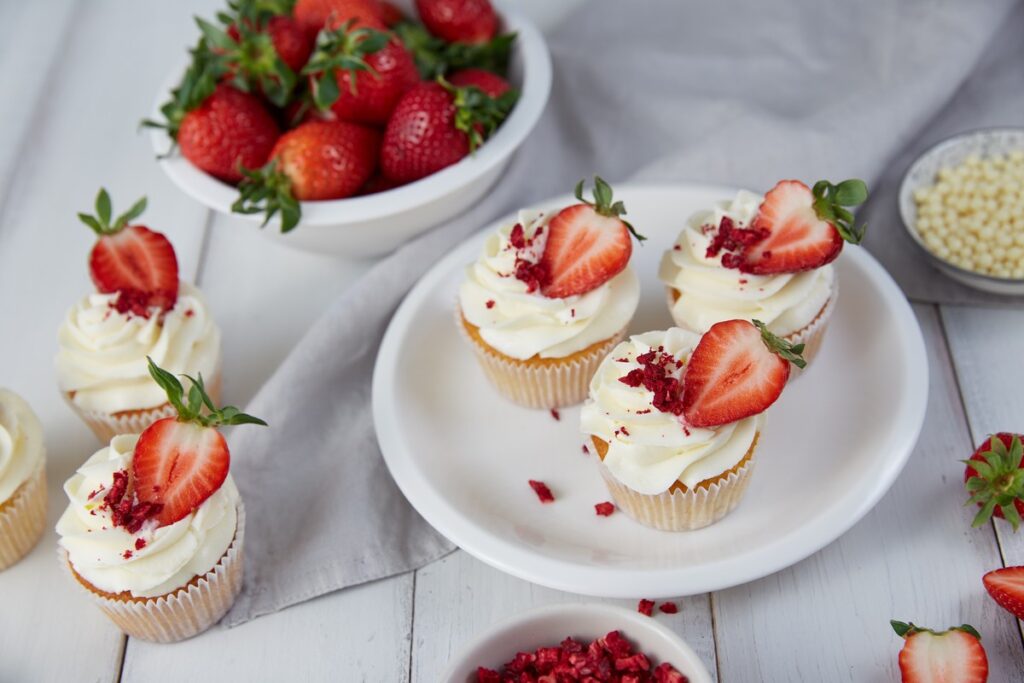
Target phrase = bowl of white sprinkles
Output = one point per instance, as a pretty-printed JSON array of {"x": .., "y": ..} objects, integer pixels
[{"x": 962, "y": 202}]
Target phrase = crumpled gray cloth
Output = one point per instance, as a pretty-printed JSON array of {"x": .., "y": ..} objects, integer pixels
[{"x": 739, "y": 92}]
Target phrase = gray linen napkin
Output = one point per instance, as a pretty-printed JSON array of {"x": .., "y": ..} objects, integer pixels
[{"x": 740, "y": 92}]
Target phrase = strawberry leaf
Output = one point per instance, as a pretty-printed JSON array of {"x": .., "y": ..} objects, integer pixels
[
  {"x": 603, "y": 205},
  {"x": 341, "y": 49},
  {"x": 477, "y": 114},
  {"x": 829, "y": 203},
  {"x": 268, "y": 190},
  {"x": 200, "y": 79},
  {"x": 171, "y": 386},
  {"x": 100, "y": 223},
  {"x": 781, "y": 347},
  {"x": 434, "y": 57},
  {"x": 998, "y": 481},
  {"x": 197, "y": 399}
]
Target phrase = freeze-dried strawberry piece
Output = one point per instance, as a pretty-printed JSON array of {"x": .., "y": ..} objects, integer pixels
[
  {"x": 487, "y": 675},
  {"x": 604, "y": 509},
  {"x": 616, "y": 645},
  {"x": 633, "y": 663},
  {"x": 666, "y": 673},
  {"x": 547, "y": 659},
  {"x": 542, "y": 491},
  {"x": 521, "y": 662},
  {"x": 668, "y": 607},
  {"x": 646, "y": 607}
]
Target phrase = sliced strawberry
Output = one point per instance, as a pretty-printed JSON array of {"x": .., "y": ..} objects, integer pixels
[
  {"x": 131, "y": 260},
  {"x": 1006, "y": 586},
  {"x": 179, "y": 465},
  {"x": 797, "y": 239},
  {"x": 952, "y": 656},
  {"x": 996, "y": 484},
  {"x": 588, "y": 244},
  {"x": 736, "y": 370}
]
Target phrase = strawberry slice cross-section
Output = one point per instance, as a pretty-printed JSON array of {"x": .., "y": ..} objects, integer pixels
[{"x": 952, "y": 656}]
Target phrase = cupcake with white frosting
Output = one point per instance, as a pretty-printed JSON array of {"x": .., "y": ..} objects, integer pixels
[
  {"x": 140, "y": 310},
  {"x": 22, "y": 479},
  {"x": 154, "y": 526},
  {"x": 548, "y": 298},
  {"x": 766, "y": 258},
  {"x": 675, "y": 418}
]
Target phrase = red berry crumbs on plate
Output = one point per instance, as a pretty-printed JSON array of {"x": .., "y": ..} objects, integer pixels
[
  {"x": 542, "y": 491},
  {"x": 490, "y": 303},
  {"x": 669, "y": 607},
  {"x": 604, "y": 509},
  {"x": 610, "y": 659},
  {"x": 127, "y": 554},
  {"x": 586, "y": 451},
  {"x": 646, "y": 607},
  {"x": 555, "y": 414},
  {"x": 140, "y": 543}
]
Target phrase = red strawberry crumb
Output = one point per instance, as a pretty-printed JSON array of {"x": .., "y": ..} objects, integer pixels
[
  {"x": 517, "y": 238},
  {"x": 646, "y": 607},
  {"x": 542, "y": 491},
  {"x": 643, "y": 412},
  {"x": 677, "y": 247},
  {"x": 526, "y": 270},
  {"x": 125, "y": 509},
  {"x": 127, "y": 554},
  {"x": 189, "y": 313},
  {"x": 490, "y": 303},
  {"x": 655, "y": 375},
  {"x": 624, "y": 430},
  {"x": 604, "y": 509},
  {"x": 734, "y": 241},
  {"x": 572, "y": 312},
  {"x": 140, "y": 543},
  {"x": 668, "y": 607},
  {"x": 744, "y": 280},
  {"x": 555, "y": 414},
  {"x": 621, "y": 360},
  {"x": 586, "y": 451}
]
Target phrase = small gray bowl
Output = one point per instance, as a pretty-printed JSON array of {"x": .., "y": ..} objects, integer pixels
[{"x": 923, "y": 172}]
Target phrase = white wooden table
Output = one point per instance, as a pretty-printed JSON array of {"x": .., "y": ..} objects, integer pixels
[{"x": 76, "y": 76}]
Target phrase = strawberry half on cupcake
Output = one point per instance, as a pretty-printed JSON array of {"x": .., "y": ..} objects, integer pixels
[
  {"x": 154, "y": 528},
  {"x": 675, "y": 418},
  {"x": 549, "y": 297},
  {"x": 766, "y": 258},
  {"x": 140, "y": 309}
]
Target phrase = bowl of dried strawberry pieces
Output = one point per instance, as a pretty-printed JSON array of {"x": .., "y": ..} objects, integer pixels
[
  {"x": 578, "y": 642},
  {"x": 350, "y": 126}
]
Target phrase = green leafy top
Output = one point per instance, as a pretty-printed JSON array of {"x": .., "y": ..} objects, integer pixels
[
  {"x": 100, "y": 223},
  {"x": 603, "y": 203},
  {"x": 434, "y": 57},
  {"x": 829, "y": 203},
  {"x": 781, "y": 347},
  {"x": 252, "y": 61},
  {"x": 268, "y": 190},
  {"x": 341, "y": 49},
  {"x": 190, "y": 407},
  {"x": 477, "y": 114},
  {"x": 999, "y": 481},
  {"x": 905, "y": 630},
  {"x": 204, "y": 71}
]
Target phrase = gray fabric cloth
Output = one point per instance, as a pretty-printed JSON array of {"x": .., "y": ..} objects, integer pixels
[{"x": 742, "y": 92}]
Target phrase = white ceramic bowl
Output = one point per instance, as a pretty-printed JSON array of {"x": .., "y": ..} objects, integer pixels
[
  {"x": 376, "y": 224},
  {"x": 922, "y": 173},
  {"x": 548, "y": 626}
]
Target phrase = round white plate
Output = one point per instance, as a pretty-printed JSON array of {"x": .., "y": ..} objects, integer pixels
[{"x": 833, "y": 443}]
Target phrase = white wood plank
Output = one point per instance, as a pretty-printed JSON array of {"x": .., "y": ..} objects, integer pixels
[
  {"x": 360, "y": 634},
  {"x": 458, "y": 597},
  {"x": 914, "y": 557},
  {"x": 82, "y": 134}
]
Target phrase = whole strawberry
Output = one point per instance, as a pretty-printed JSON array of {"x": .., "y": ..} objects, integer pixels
[
  {"x": 951, "y": 656},
  {"x": 314, "y": 15},
  {"x": 359, "y": 74},
  {"x": 435, "y": 125},
  {"x": 228, "y": 130},
  {"x": 181, "y": 461},
  {"x": 995, "y": 479},
  {"x": 464, "y": 21},
  {"x": 489, "y": 82},
  {"x": 317, "y": 160},
  {"x": 131, "y": 260}
]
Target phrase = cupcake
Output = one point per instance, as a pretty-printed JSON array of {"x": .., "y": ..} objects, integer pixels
[
  {"x": 140, "y": 309},
  {"x": 549, "y": 297},
  {"x": 22, "y": 479},
  {"x": 766, "y": 258},
  {"x": 155, "y": 526},
  {"x": 676, "y": 418}
]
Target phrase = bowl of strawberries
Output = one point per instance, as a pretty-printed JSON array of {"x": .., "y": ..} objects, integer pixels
[{"x": 350, "y": 126}]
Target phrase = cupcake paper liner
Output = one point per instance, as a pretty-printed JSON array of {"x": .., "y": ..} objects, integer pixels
[
  {"x": 541, "y": 385},
  {"x": 678, "y": 510},
  {"x": 108, "y": 425},
  {"x": 186, "y": 612},
  {"x": 23, "y": 518}
]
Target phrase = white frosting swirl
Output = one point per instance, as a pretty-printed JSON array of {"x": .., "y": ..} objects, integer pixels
[
  {"x": 710, "y": 293},
  {"x": 522, "y": 324},
  {"x": 649, "y": 450},
  {"x": 102, "y": 356},
  {"x": 21, "y": 443},
  {"x": 167, "y": 558}
]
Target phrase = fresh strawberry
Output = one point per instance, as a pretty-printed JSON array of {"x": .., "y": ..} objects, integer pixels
[
  {"x": 952, "y": 656},
  {"x": 738, "y": 369},
  {"x": 491, "y": 83},
  {"x": 131, "y": 260},
  {"x": 181, "y": 461},
  {"x": 291, "y": 42},
  {"x": 463, "y": 21},
  {"x": 377, "y": 183},
  {"x": 314, "y": 15},
  {"x": 360, "y": 74},
  {"x": 389, "y": 13},
  {"x": 588, "y": 244},
  {"x": 795, "y": 228},
  {"x": 317, "y": 160},
  {"x": 230, "y": 129},
  {"x": 435, "y": 125},
  {"x": 995, "y": 479},
  {"x": 1006, "y": 586}
]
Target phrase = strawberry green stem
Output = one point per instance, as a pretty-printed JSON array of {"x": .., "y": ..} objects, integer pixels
[
  {"x": 268, "y": 190},
  {"x": 190, "y": 408},
  {"x": 100, "y": 222},
  {"x": 342, "y": 49},
  {"x": 603, "y": 203},
  {"x": 830, "y": 202},
  {"x": 781, "y": 347}
]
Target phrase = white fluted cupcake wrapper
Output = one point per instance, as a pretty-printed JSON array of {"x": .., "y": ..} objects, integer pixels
[
  {"x": 23, "y": 518},
  {"x": 186, "y": 612},
  {"x": 676, "y": 510},
  {"x": 106, "y": 425},
  {"x": 549, "y": 385}
]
